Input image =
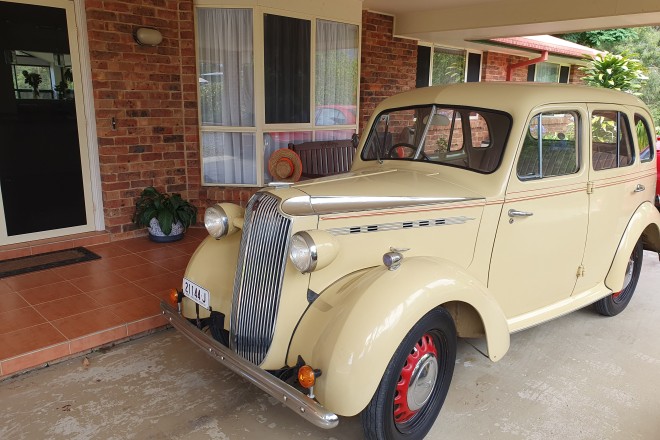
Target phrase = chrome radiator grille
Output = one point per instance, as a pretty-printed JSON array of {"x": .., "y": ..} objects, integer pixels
[{"x": 259, "y": 276}]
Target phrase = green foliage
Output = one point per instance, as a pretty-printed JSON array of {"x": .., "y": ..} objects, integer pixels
[
  {"x": 448, "y": 68},
  {"x": 618, "y": 72},
  {"x": 600, "y": 38},
  {"x": 167, "y": 209}
]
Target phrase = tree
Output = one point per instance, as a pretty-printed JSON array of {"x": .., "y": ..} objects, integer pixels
[
  {"x": 600, "y": 39},
  {"x": 612, "y": 71}
]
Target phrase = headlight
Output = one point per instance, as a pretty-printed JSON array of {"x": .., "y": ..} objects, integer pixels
[
  {"x": 221, "y": 219},
  {"x": 312, "y": 250}
]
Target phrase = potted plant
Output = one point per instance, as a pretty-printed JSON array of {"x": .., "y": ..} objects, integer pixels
[
  {"x": 33, "y": 80},
  {"x": 167, "y": 216}
]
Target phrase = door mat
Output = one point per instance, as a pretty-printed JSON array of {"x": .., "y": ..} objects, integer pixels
[{"x": 48, "y": 260}]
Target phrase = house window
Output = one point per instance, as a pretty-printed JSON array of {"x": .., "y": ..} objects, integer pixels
[
  {"x": 310, "y": 88},
  {"x": 448, "y": 66},
  {"x": 439, "y": 65},
  {"x": 226, "y": 95},
  {"x": 548, "y": 72},
  {"x": 287, "y": 44}
]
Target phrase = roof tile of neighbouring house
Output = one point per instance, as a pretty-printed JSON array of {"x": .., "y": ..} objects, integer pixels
[{"x": 552, "y": 44}]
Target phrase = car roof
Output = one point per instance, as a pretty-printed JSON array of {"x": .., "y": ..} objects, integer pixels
[{"x": 507, "y": 96}]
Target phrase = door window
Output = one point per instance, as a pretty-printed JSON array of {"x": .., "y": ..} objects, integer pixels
[
  {"x": 610, "y": 140},
  {"x": 550, "y": 147},
  {"x": 644, "y": 139}
]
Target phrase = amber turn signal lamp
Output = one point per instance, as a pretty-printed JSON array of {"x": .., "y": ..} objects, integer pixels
[
  {"x": 306, "y": 376},
  {"x": 174, "y": 297}
]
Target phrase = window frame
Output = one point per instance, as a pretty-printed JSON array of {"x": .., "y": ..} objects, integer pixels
[
  {"x": 260, "y": 128},
  {"x": 620, "y": 114}
]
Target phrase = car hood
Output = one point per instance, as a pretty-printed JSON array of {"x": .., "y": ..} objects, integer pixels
[{"x": 372, "y": 190}]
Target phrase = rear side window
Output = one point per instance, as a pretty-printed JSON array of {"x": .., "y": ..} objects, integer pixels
[
  {"x": 610, "y": 140},
  {"x": 644, "y": 139},
  {"x": 550, "y": 147}
]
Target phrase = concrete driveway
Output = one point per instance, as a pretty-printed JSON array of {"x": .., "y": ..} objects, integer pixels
[{"x": 582, "y": 376}]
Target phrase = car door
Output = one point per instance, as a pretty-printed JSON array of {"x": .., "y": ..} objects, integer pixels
[
  {"x": 621, "y": 179},
  {"x": 542, "y": 229}
]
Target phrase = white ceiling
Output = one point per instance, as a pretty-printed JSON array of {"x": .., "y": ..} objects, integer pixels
[{"x": 453, "y": 22}]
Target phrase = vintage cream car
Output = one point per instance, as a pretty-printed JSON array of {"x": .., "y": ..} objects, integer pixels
[{"x": 472, "y": 210}]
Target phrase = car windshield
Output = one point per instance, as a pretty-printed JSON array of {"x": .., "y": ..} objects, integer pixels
[{"x": 462, "y": 137}]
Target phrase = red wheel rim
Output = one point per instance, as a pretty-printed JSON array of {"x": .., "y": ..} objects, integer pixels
[{"x": 423, "y": 347}]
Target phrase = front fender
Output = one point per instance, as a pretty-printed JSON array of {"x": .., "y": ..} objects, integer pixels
[
  {"x": 644, "y": 223},
  {"x": 352, "y": 330}
]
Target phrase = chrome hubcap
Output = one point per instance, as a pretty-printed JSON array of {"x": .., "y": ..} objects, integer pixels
[{"x": 422, "y": 381}]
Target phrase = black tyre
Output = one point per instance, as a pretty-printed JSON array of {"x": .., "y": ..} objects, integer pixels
[
  {"x": 615, "y": 303},
  {"x": 415, "y": 382}
]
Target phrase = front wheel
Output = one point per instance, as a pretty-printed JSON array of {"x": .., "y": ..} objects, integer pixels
[
  {"x": 615, "y": 303},
  {"x": 415, "y": 382}
]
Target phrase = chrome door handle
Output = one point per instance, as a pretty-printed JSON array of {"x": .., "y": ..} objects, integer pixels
[
  {"x": 516, "y": 213},
  {"x": 639, "y": 188}
]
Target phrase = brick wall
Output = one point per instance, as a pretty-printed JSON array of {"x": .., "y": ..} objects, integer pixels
[
  {"x": 151, "y": 94},
  {"x": 388, "y": 66},
  {"x": 575, "y": 76},
  {"x": 494, "y": 64}
]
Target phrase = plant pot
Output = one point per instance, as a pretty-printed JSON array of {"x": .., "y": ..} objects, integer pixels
[{"x": 157, "y": 235}]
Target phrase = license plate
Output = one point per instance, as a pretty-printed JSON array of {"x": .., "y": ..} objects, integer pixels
[{"x": 196, "y": 293}]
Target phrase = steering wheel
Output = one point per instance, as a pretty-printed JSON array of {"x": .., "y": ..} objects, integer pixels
[{"x": 404, "y": 150}]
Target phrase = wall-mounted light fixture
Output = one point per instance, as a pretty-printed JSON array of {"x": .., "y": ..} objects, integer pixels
[{"x": 147, "y": 36}]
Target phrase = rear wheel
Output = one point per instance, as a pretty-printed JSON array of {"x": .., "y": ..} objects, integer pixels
[
  {"x": 617, "y": 302},
  {"x": 415, "y": 383}
]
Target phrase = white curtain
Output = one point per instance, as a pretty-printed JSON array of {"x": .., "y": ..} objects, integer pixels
[
  {"x": 336, "y": 67},
  {"x": 226, "y": 90}
]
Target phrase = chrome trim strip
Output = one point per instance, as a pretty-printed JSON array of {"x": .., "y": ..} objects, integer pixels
[
  {"x": 322, "y": 205},
  {"x": 382, "y": 227},
  {"x": 296, "y": 401}
]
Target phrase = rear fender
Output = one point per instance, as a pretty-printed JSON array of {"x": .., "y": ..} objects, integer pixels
[
  {"x": 352, "y": 330},
  {"x": 644, "y": 224}
]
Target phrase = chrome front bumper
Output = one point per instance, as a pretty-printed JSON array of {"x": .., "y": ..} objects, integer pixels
[{"x": 298, "y": 402}]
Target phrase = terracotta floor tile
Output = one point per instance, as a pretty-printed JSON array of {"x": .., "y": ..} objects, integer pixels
[
  {"x": 142, "y": 271},
  {"x": 34, "y": 279},
  {"x": 99, "y": 281},
  {"x": 143, "y": 325},
  {"x": 98, "y": 339},
  {"x": 11, "y": 302},
  {"x": 122, "y": 262},
  {"x": 5, "y": 288},
  {"x": 51, "y": 292},
  {"x": 162, "y": 282},
  {"x": 87, "y": 323},
  {"x": 65, "y": 307},
  {"x": 109, "y": 250},
  {"x": 137, "y": 309},
  {"x": 38, "y": 358},
  {"x": 117, "y": 294},
  {"x": 80, "y": 270},
  {"x": 19, "y": 319},
  {"x": 160, "y": 254},
  {"x": 176, "y": 263},
  {"x": 139, "y": 244},
  {"x": 29, "y": 339},
  {"x": 188, "y": 248}
]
